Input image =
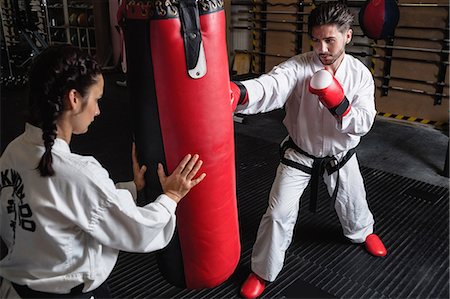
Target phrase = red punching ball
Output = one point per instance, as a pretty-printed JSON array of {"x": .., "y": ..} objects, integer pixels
[
  {"x": 379, "y": 18},
  {"x": 191, "y": 79}
]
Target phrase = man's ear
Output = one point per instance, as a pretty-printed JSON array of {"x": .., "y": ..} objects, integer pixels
[{"x": 349, "y": 36}]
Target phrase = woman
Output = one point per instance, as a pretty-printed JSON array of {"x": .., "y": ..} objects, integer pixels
[{"x": 62, "y": 218}]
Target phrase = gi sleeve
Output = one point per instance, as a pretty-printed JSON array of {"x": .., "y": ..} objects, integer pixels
[
  {"x": 122, "y": 225},
  {"x": 112, "y": 217},
  {"x": 270, "y": 91},
  {"x": 362, "y": 113}
]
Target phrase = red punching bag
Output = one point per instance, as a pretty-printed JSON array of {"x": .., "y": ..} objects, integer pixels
[{"x": 190, "y": 69}]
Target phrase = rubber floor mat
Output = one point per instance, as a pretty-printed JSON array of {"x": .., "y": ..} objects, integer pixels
[{"x": 412, "y": 218}]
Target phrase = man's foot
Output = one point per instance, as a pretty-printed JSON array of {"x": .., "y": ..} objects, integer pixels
[
  {"x": 253, "y": 286},
  {"x": 375, "y": 246}
]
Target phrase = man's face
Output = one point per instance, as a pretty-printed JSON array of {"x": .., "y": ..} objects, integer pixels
[{"x": 329, "y": 43}]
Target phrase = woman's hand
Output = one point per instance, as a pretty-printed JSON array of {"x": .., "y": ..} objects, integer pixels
[
  {"x": 181, "y": 181},
  {"x": 138, "y": 171}
]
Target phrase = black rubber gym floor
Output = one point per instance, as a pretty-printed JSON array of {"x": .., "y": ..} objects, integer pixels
[{"x": 411, "y": 218}]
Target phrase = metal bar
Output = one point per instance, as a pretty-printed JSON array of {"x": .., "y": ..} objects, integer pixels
[
  {"x": 442, "y": 70},
  {"x": 383, "y": 57},
  {"x": 254, "y": 45},
  {"x": 438, "y": 51},
  {"x": 268, "y": 29},
  {"x": 418, "y": 91},
  {"x": 423, "y": 5},
  {"x": 261, "y": 53},
  {"x": 273, "y": 12},
  {"x": 273, "y": 21},
  {"x": 8, "y": 56},
  {"x": 362, "y": 54},
  {"x": 421, "y": 38},
  {"x": 250, "y": 3},
  {"x": 414, "y": 80},
  {"x": 350, "y": 3},
  {"x": 263, "y": 40},
  {"x": 387, "y": 67},
  {"x": 299, "y": 26},
  {"x": 445, "y": 171},
  {"x": 421, "y": 28}
]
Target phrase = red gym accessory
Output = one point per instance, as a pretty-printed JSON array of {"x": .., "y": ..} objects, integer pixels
[
  {"x": 239, "y": 94},
  {"x": 182, "y": 60},
  {"x": 253, "y": 286},
  {"x": 375, "y": 246},
  {"x": 330, "y": 92},
  {"x": 379, "y": 18}
]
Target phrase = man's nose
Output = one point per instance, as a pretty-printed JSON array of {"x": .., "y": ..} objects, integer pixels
[{"x": 323, "y": 48}]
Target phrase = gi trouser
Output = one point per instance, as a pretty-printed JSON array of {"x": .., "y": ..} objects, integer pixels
[{"x": 277, "y": 224}]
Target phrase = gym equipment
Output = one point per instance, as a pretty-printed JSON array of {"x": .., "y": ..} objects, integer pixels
[
  {"x": 74, "y": 39},
  {"x": 378, "y": 18},
  {"x": 23, "y": 36},
  {"x": 179, "y": 84},
  {"x": 82, "y": 20},
  {"x": 330, "y": 93},
  {"x": 73, "y": 19}
]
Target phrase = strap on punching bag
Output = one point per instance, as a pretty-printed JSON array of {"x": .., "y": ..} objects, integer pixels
[{"x": 193, "y": 44}]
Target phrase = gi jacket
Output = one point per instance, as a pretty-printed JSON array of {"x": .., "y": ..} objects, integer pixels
[
  {"x": 311, "y": 126},
  {"x": 67, "y": 229}
]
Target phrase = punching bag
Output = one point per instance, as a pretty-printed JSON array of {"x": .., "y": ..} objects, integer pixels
[
  {"x": 379, "y": 18},
  {"x": 186, "y": 83}
]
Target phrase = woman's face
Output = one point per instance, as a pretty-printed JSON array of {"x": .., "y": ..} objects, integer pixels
[{"x": 89, "y": 107}]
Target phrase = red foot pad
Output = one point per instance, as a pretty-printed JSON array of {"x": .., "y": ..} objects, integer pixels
[
  {"x": 375, "y": 246},
  {"x": 253, "y": 286}
]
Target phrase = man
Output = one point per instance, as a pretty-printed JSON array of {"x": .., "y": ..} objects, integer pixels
[{"x": 329, "y": 102}]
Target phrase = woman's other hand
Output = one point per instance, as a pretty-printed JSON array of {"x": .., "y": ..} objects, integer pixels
[{"x": 138, "y": 171}]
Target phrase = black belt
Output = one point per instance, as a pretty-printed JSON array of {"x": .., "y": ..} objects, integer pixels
[
  {"x": 76, "y": 292},
  {"x": 328, "y": 163}
]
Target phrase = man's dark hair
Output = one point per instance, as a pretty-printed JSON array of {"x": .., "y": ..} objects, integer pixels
[{"x": 331, "y": 13}]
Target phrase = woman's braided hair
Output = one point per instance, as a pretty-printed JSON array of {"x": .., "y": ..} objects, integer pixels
[{"x": 56, "y": 71}]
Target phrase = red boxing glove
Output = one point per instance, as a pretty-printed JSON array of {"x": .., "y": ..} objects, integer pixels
[
  {"x": 239, "y": 95},
  {"x": 330, "y": 93}
]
